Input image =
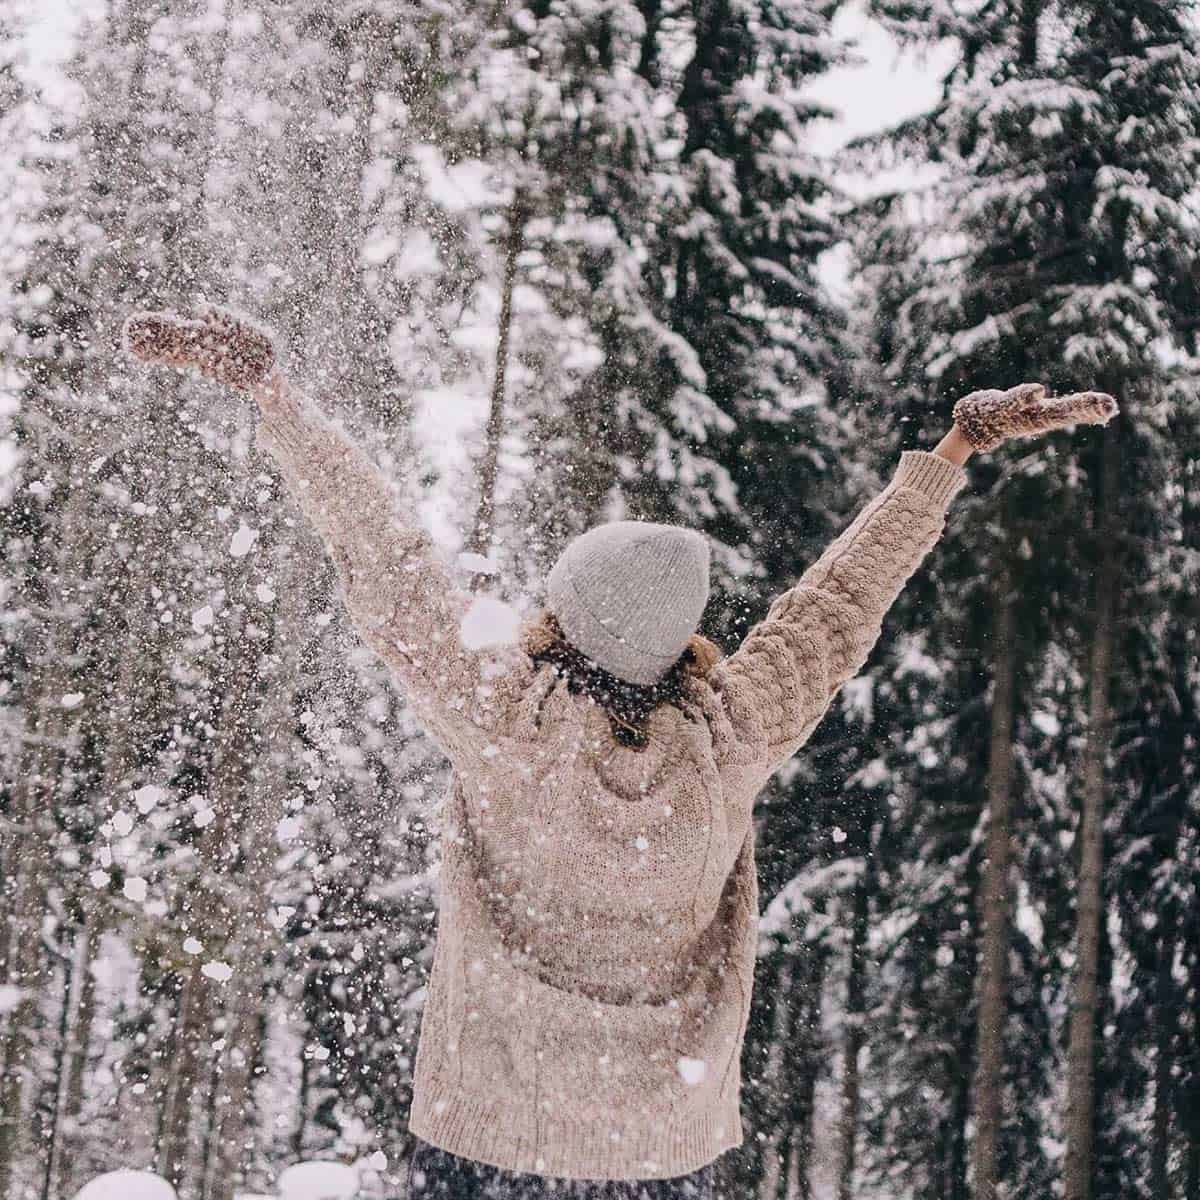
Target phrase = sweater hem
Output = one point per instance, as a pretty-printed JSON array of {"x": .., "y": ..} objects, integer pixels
[{"x": 549, "y": 1145}]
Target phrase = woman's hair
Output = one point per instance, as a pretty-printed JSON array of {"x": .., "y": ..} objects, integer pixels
[{"x": 628, "y": 705}]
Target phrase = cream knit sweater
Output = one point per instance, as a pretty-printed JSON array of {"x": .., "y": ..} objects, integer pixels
[{"x": 596, "y": 942}]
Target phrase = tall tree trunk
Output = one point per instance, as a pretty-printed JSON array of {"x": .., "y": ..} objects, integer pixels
[
  {"x": 184, "y": 1065},
  {"x": 1081, "y": 1051},
  {"x": 301, "y": 1107},
  {"x": 23, "y": 968},
  {"x": 1165, "y": 1015},
  {"x": 74, "y": 1036},
  {"x": 79, "y": 1044},
  {"x": 1190, "y": 1110},
  {"x": 28, "y": 864},
  {"x": 124, "y": 728},
  {"x": 773, "y": 1077},
  {"x": 227, "y": 1159},
  {"x": 988, "y": 1084},
  {"x": 214, "y": 904},
  {"x": 855, "y": 1034},
  {"x": 797, "y": 1080},
  {"x": 480, "y": 541},
  {"x": 260, "y": 800},
  {"x": 796, "y": 1185},
  {"x": 51, "y": 1135}
]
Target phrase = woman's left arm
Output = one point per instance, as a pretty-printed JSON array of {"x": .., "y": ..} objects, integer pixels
[
  {"x": 954, "y": 447},
  {"x": 818, "y": 634}
]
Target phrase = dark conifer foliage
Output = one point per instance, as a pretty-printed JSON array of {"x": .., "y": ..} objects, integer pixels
[{"x": 1053, "y": 246}]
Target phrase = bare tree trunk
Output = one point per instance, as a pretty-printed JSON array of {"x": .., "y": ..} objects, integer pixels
[
  {"x": 796, "y": 1186},
  {"x": 191, "y": 1021},
  {"x": 994, "y": 904},
  {"x": 214, "y": 902},
  {"x": 52, "y": 1135},
  {"x": 480, "y": 541},
  {"x": 122, "y": 733},
  {"x": 1190, "y": 1111},
  {"x": 772, "y": 1173},
  {"x": 23, "y": 969},
  {"x": 234, "y": 1109},
  {"x": 79, "y": 1043},
  {"x": 301, "y": 1108},
  {"x": 74, "y": 1035},
  {"x": 1165, "y": 1012},
  {"x": 855, "y": 1036},
  {"x": 27, "y": 863},
  {"x": 1081, "y": 1051},
  {"x": 263, "y": 791}
]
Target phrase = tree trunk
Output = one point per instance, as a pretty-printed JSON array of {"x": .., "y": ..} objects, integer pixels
[
  {"x": 261, "y": 799},
  {"x": 123, "y": 732},
  {"x": 1189, "y": 1111},
  {"x": 77, "y": 1051},
  {"x": 855, "y": 1035},
  {"x": 52, "y": 1135},
  {"x": 803, "y": 1046},
  {"x": 28, "y": 863},
  {"x": 22, "y": 969},
  {"x": 480, "y": 541},
  {"x": 74, "y": 1036},
  {"x": 1164, "y": 1056},
  {"x": 773, "y": 1078},
  {"x": 191, "y": 1022},
  {"x": 215, "y": 904},
  {"x": 301, "y": 1107},
  {"x": 988, "y": 1084},
  {"x": 1081, "y": 1051}
]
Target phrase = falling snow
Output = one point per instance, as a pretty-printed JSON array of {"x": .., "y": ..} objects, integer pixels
[
  {"x": 549, "y": 265},
  {"x": 489, "y": 623},
  {"x": 242, "y": 541}
]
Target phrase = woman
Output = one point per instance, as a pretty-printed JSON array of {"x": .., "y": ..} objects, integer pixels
[{"x": 595, "y": 952}]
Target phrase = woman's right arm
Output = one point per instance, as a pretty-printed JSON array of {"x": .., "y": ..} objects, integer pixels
[{"x": 397, "y": 591}]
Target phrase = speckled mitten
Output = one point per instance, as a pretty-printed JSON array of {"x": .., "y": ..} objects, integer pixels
[
  {"x": 219, "y": 343},
  {"x": 990, "y": 417}
]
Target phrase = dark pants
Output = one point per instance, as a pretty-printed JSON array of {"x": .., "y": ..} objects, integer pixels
[{"x": 433, "y": 1172}]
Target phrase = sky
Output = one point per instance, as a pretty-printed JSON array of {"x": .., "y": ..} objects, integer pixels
[{"x": 887, "y": 86}]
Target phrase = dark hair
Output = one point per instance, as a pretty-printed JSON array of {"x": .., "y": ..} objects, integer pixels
[{"x": 628, "y": 705}]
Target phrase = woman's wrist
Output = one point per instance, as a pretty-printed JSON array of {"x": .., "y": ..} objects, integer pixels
[{"x": 954, "y": 447}]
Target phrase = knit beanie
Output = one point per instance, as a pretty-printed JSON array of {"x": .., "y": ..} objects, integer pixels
[{"x": 629, "y": 595}]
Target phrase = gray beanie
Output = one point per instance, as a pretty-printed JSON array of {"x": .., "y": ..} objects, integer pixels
[{"x": 630, "y": 594}]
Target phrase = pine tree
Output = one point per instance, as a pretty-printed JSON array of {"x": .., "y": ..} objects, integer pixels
[
  {"x": 1033, "y": 275},
  {"x": 1139, "y": 274}
]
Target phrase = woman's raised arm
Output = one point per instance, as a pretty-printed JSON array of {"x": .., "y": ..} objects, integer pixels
[
  {"x": 397, "y": 591},
  {"x": 818, "y": 634}
]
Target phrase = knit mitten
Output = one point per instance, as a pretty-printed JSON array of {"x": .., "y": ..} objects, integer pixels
[
  {"x": 990, "y": 417},
  {"x": 220, "y": 343}
]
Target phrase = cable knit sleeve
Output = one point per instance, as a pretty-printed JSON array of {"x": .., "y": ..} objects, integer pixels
[
  {"x": 396, "y": 590},
  {"x": 817, "y": 635}
]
